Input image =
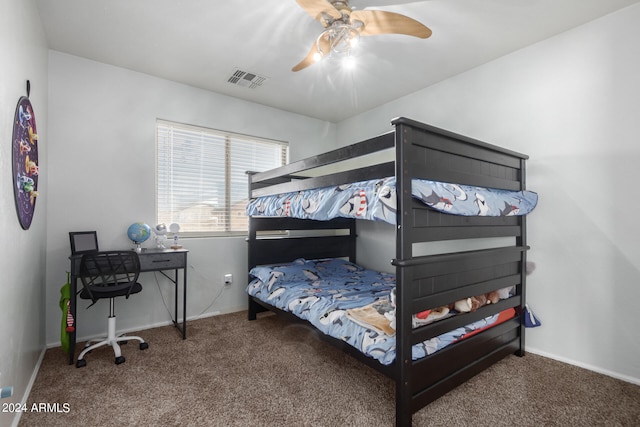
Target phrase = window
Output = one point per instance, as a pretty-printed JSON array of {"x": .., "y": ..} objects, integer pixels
[{"x": 201, "y": 180}]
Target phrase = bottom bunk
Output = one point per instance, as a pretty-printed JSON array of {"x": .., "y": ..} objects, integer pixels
[
  {"x": 354, "y": 309},
  {"x": 357, "y": 305}
]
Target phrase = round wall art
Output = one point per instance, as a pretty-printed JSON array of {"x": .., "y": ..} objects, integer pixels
[{"x": 25, "y": 160}]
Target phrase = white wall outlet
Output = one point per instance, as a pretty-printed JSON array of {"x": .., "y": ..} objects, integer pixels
[
  {"x": 228, "y": 279},
  {"x": 6, "y": 392}
]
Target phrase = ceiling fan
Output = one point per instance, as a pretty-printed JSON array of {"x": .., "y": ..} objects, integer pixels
[{"x": 344, "y": 26}]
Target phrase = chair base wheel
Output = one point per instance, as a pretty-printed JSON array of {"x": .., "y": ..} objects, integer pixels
[
  {"x": 144, "y": 345},
  {"x": 119, "y": 360},
  {"x": 81, "y": 363}
]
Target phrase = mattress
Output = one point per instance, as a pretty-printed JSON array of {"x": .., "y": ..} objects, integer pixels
[
  {"x": 350, "y": 303},
  {"x": 376, "y": 200}
]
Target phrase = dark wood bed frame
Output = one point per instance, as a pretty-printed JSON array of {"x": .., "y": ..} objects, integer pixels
[{"x": 423, "y": 282}]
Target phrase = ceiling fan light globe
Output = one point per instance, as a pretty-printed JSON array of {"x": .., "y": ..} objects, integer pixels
[
  {"x": 349, "y": 62},
  {"x": 317, "y": 56}
]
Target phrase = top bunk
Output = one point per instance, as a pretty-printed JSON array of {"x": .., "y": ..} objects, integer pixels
[{"x": 447, "y": 172}]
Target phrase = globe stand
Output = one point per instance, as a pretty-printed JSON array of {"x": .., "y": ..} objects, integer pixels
[{"x": 138, "y": 248}]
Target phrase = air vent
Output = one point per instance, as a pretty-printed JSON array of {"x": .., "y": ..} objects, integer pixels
[{"x": 246, "y": 79}]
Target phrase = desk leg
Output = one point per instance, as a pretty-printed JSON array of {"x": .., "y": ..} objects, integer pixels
[
  {"x": 176, "y": 281},
  {"x": 184, "y": 303},
  {"x": 183, "y": 329},
  {"x": 175, "y": 304}
]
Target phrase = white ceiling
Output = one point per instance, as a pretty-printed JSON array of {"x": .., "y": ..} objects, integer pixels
[{"x": 201, "y": 42}]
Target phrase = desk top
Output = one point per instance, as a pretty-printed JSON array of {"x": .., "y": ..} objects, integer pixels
[
  {"x": 148, "y": 251},
  {"x": 151, "y": 259},
  {"x": 160, "y": 251}
]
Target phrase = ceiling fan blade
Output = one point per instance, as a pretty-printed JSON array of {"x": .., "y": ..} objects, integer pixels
[
  {"x": 383, "y": 22},
  {"x": 315, "y": 8},
  {"x": 308, "y": 60}
]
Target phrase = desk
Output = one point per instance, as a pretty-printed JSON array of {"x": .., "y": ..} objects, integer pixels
[{"x": 150, "y": 260}]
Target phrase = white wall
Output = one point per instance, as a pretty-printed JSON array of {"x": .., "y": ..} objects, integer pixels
[
  {"x": 22, "y": 263},
  {"x": 572, "y": 104},
  {"x": 102, "y": 177}
]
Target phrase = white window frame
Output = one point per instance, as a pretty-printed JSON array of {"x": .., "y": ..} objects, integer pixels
[{"x": 279, "y": 150}]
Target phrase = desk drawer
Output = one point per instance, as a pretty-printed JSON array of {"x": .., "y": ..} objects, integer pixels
[{"x": 163, "y": 261}]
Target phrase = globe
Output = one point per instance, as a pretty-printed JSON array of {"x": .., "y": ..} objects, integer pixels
[{"x": 138, "y": 232}]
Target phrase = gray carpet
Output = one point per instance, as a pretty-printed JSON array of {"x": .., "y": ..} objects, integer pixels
[{"x": 232, "y": 372}]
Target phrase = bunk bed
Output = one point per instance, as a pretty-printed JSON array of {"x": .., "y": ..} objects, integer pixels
[{"x": 421, "y": 282}]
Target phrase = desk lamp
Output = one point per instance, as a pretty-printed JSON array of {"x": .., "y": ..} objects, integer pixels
[{"x": 174, "y": 228}]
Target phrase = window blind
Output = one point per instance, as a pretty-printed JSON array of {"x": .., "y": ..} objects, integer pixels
[{"x": 201, "y": 180}]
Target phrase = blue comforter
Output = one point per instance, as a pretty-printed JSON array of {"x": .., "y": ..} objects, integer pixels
[
  {"x": 347, "y": 302},
  {"x": 376, "y": 200}
]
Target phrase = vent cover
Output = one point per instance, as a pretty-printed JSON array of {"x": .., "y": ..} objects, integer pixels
[{"x": 246, "y": 79}]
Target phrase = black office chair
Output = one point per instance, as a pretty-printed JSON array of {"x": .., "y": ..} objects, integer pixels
[{"x": 109, "y": 274}]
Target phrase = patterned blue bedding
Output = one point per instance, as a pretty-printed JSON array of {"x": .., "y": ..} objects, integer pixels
[
  {"x": 347, "y": 302},
  {"x": 376, "y": 200}
]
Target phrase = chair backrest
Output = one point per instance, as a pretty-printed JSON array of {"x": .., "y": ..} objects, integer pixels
[
  {"x": 83, "y": 242},
  {"x": 109, "y": 273}
]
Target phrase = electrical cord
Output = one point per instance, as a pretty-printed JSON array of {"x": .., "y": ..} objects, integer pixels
[{"x": 164, "y": 302}]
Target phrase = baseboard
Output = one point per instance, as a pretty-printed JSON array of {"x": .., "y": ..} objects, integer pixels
[
  {"x": 219, "y": 312},
  {"x": 27, "y": 392},
  {"x": 606, "y": 372},
  {"x": 153, "y": 325}
]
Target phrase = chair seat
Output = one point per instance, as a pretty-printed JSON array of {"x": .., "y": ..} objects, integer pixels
[{"x": 111, "y": 291}]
